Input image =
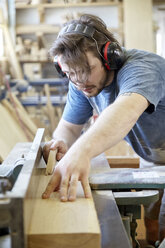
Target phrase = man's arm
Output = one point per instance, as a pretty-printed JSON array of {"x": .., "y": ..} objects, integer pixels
[
  {"x": 112, "y": 126},
  {"x": 68, "y": 132},
  {"x": 63, "y": 137}
]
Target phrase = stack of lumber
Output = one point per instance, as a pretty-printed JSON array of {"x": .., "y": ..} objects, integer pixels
[{"x": 16, "y": 125}]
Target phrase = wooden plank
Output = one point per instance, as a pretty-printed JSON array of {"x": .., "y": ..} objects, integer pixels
[
  {"x": 62, "y": 5},
  {"x": 45, "y": 28},
  {"x": 123, "y": 161},
  {"x": 50, "y": 109},
  {"x": 16, "y": 67},
  {"x": 30, "y": 125},
  {"x": 55, "y": 224},
  {"x": 17, "y": 114},
  {"x": 10, "y": 132},
  {"x": 121, "y": 149},
  {"x": 51, "y": 162}
]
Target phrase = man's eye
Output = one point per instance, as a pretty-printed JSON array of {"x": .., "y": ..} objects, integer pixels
[{"x": 72, "y": 73}]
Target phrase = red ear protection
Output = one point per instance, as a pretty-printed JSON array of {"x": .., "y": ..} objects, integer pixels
[
  {"x": 113, "y": 56},
  {"x": 58, "y": 67},
  {"x": 105, "y": 54}
]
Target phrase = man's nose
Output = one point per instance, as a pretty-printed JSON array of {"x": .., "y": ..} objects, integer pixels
[{"x": 80, "y": 82}]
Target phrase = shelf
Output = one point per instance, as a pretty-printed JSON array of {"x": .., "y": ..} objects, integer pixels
[
  {"x": 60, "y": 5},
  {"x": 3, "y": 58},
  {"x": 41, "y": 13},
  {"x": 30, "y": 29},
  {"x": 46, "y": 29},
  {"x": 54, "y": 29},
  {"x": 34, "y": 61}
]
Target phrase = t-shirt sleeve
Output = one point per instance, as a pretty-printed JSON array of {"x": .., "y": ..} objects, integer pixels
[
  {"x": 141, "y": 78},
  {"x": 77, "y": 109}
]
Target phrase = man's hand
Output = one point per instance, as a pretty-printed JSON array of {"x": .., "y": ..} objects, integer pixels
[
  {"x": 53, "y": 145},
  {"x": 73, "y": 167}
]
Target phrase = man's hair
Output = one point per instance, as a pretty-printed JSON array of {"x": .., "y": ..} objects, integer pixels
[{"x": 73, "y": 47}]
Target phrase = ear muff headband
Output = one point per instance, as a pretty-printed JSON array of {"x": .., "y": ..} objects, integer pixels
[{"x": 82, "y": 29}]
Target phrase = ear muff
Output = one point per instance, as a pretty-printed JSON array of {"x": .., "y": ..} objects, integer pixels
[
  {"x": 58, "y": 67},
  {"x": 113, "y": 56}
]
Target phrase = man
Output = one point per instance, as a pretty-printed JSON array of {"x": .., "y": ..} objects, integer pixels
[{"x": 126, "y": 88}]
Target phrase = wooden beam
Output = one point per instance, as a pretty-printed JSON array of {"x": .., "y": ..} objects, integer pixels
[
  {"x": 44, "y": 28},
  {"x": 10, "y": 132},
  {"x": 11, "y": 51},
  {"x": 51, "y": 162},
  {"x": 50, "y": 109},
  {"x": 123, "y": 161},
  {"x": 56, "y": 224}
]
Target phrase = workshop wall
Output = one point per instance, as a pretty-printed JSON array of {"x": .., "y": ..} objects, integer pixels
[{"x": 44, "y": 26}]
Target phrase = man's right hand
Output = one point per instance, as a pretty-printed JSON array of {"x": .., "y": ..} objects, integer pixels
[{"x": 53, "y": 144}]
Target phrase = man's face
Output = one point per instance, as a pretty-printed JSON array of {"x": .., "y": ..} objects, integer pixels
[{"x": 92, "y": 84}]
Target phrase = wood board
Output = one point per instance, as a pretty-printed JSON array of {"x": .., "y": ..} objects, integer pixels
[
  {"x": 10, "y": 132},
  {"x": 55, "y": 224}
]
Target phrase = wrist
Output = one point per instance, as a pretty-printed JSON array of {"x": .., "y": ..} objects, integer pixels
[{"x": 85, "y": 147}]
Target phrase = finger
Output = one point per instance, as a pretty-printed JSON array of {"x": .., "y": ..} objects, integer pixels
[
  {"x": 59, "y": 156},
  {"x": 53, "y": 145},
  {"x": 73, "y": 188},
  {"x": 62, "y": 147},
  {"x": 46, "y": 149},
  {"x": 86, "y": 187},
  {"x": 64, "y": 189},
  {"x": 52, "y": 186}
]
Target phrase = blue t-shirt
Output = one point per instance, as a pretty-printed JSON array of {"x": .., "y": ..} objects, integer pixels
[{"x": 142, "y": 73}]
